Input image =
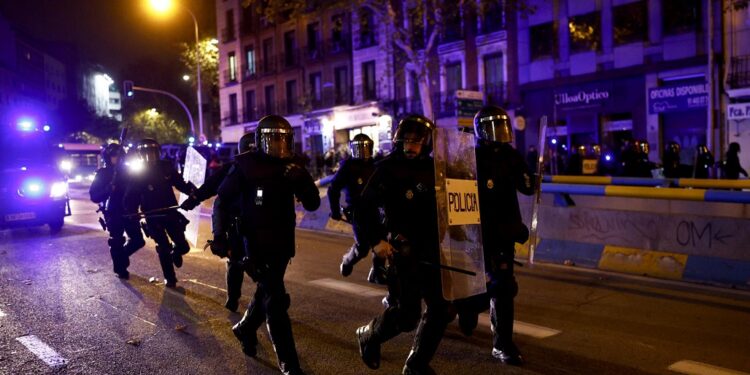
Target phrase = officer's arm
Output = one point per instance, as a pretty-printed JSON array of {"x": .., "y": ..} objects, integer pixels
[
  {"x": 100, "y": 187},
  {"x": 334, "y": 191},
  {"x": 132, "y": 197},
  {"x": 304, "y": 187},
  {"x": 230, "y": 187},
  {"x": 372, "y": 228},
  {"x": 220, "y": 217},
  {"x": 211, "y": 186},
  {"x": 525, "y": 179},
  {"x": 179, "y": 182}
]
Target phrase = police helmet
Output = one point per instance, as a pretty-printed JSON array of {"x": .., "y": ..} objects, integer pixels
[
  {"x": 702, "y": 149},
  {"x": 595, "y": 150},
  {"x": 673, "y": 147},
  {"x": 246, "y": 143},
  {"x": 149, "y": 150},
  {"x": 361, "y": 146},
  {"x": 642, "y": 146},
  {"x": 581, "y": 150},
  {"x": 492, "y": 124},
  {"x": 415, "y": 129},
  {"x": 111, "y": 150},
  {"x": 274, "y": 137}
]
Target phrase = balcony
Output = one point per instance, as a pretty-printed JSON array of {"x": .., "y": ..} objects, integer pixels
[
  {"x": 290, "y": 59},
  {"x": 365, "y": 94},
  {"x": 739, "y": 73},
  {"x": 365, "y": 40},
  {"x": 250, "y": 115},
  {"x": 228, "y": 78},
  {"x": 230, "y": 118},
  {"x": 249, "y": 72},
  {"x": 267, "y": 66},
  {"x": 228, "y": 34},
  {"x": 444, "y": 103}
]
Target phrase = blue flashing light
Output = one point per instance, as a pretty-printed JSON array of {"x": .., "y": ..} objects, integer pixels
[
  {"x": 46, "y": 128},
  {"x": 191, "y": 139},
  {"x": 26, "y": 125},
  {"x": 23, "y": 168},
  {"x": 210, "y": 145},
  {"x": 32, "y": 188},
  {"x": 608, "y": 157},
  {"x": 554, "y": 141}
]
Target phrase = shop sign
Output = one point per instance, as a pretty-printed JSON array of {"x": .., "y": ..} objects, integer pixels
[
  {"x": 677, "y": 98},
  {"x": 581, "y": 98},
  {"x": 356, "y": 117},
  {"x": 738, "y": 111}
]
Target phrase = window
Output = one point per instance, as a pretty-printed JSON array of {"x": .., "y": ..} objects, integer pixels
[
  {"x": 250, "y": 61},
  {"x": 369, "y": 90},
  {"x": 453, "y": 77},
  {"x": 337, "y": 33},
  {"x": 366, "y": 28},
  {"x": 543, "y": 40},
  {"x": 232, "y": 67},
  {"x": 493, "y": 18},
  {"x": 341, "y": 85},
  {"x": 233, "y": 108},
  {"x": 680, "y": 16},
  {"x": 228, "y": 34},
  {"x": 291, "y": 96},
  {"x": 630, "y": 22},
  {"x": 270, "y": 100},
  {"x": 494, "y": 84},
  {"x": 290, "y": 47},
  {"x": 250, "y": 112},
  {"x": 248, "y": 14},
  {"x": 316, "y": 90},
  {"x": 268, "y": 55},
  {"x": 585, "y": 32},
  {"x": 313, "y": 38}
]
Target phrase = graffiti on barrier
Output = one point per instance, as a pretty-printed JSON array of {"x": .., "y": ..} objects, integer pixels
[
  {"x": 688, "y": 233},
  {"x": 606, "y": 227}
]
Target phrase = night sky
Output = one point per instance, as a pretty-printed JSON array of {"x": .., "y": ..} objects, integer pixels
[{"x": 113, "y": 33}]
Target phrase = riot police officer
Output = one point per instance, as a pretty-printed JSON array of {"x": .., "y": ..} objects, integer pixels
[
  {"x": 266, "y": 183},
  {"x": 351, "y": 177},
  {"x": 151, "y": 189},
  {"x": 403, "y": 187},
  {"x": 501, "y": 172},
  {"x": 229, "y": 244},
  {"x": 107, "y": 190},
  {"x": 704, "y": 160},
  {"x": 671, "y": 160}
]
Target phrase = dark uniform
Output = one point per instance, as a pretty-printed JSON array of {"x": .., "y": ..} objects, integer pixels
[
  {"x": 732, "y": 166},
  {"x": 704, "y": 160},
  {"x": 352, "y": 177},
  {"x": 671, "y": 160},
  {"x": 403, "y": 186},
  {"x": 107, "y": 190},
  {"x": 266, "y": 183},
  {"x": 151, "y": 189},
  {"x": 501, "y": 172},
  {"x": 225, "y": 220}
]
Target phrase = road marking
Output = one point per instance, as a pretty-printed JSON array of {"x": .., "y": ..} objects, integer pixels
[
  {"x": 43, "y": 351},
  {"x": 195, "y": 281},
  {"x": 522, "y": 328},
  {"x": 2, "y": 314},
  {"x": 698, "y": 368},
  {"x": 347, "y": 287}
]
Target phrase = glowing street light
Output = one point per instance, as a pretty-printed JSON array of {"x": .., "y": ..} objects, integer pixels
[
  {"x": 185, "y": 77},
  {"x": 163, "y": 7}
]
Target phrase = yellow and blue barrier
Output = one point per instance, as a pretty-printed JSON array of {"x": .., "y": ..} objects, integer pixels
[
  {"x": 643, "y": 181},
  {"x": 648, "y": 192}
]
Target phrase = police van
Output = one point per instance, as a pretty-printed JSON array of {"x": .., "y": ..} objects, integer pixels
[{"x": 33, "y": 188}]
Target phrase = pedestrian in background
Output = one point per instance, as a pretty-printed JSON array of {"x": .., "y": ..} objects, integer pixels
[{"x": 732, "y": 167}]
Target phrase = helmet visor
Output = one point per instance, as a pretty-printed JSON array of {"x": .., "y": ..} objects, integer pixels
[
  {"x": 277, "y": 143},
  {"x": 495, "y": 128},
  {"x": 361, "y": 149}
]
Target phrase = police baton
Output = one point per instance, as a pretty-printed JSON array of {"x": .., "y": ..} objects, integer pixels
[
  {"x": 448, "y": 268},
  {"x": 152, "y": 213}
]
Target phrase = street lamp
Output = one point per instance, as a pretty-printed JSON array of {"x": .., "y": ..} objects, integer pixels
[
  {"x": 164, "y": 6},
  {"x": 185, "y": 77}
]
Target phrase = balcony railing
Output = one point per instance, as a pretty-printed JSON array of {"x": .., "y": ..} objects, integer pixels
[
  {"x": 365, "y": 40},
  {"x": 290, "y": 59},
  {"x": 228, "y": 34},
  {"x": 248, "y": 73},
  {"x": 230, "y": 118},
  {"x": 364, "y": 93},
  {"x": 228, "y": 78},
  {"x": 444, "y": 103},
  {"x": 739, "y": 73}
]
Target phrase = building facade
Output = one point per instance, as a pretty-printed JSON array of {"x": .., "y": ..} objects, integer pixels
[{"x": 737, "y": 104}]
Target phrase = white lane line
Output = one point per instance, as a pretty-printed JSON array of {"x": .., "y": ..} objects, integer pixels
[
  {"x": 698, "y": 368},
  {"x": 2, "y": 314},
  {"x": 347, "y": 287},
  {"x": 195, "y": 281},
  {"x": 522, "y": 328},
  {"x": 43, "y": 351}
]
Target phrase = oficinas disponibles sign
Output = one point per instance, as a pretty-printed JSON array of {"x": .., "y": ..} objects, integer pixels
[{"x": 677, "y": 98}]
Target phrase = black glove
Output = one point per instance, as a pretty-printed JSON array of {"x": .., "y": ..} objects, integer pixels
[
  {"x": 294, "y": 173},
  {"x": 190, "y": 203},
  {"x": 219, "y": 246}
]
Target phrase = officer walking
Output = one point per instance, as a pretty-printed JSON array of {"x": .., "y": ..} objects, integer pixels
[
  {"x": 229, "y": 244},
  {"x": 671, "y": 160},
  {"x": 151, "y": 189},
  {"x": 403, "y": 186},
  {"x": 107, "y": 190},
  {"x": 501, "y": 171},
  {"x": 351, "y": 177},
  {"x": 266, "y": 183}
]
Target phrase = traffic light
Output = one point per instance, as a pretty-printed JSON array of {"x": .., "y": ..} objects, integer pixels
[{"x": 127, "y": 89}]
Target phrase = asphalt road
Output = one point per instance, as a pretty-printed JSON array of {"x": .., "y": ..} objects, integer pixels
[{"x": 62, "y": 310}]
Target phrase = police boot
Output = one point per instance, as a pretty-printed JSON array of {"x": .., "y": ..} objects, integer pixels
[
  {"x": 165, "y": 260},
  {"x": 378, "y": 272},
  {"x": 235, "y": 275},
  {"x": 501, "y": 323},
  {"x": 280, "y": 329},
  {"x": 369, "y": 346},
  {"x": 348, "y": 261},
  {"x": 426, "y": 341},
  {"x": 246, "y": 333},
  {"x": 176, "y": 258}
]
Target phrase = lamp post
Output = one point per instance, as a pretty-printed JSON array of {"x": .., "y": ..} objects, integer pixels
[{"x": 163, "y": 6}]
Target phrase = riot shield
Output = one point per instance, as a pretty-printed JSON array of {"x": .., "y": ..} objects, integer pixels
[
  {"x": 195, "y": 172},
  {"x": 461, "y": 252},
  {"x": 537, "y": 202}
]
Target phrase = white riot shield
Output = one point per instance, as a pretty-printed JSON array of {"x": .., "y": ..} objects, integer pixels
[
  {"x": 461, "y": 251},
  {"x": 195, "y": 172}
]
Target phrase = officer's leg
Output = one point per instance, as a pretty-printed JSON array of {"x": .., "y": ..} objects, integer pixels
[
  {"x": 378, "y": 271},
  {"x": 164, "y": 250},
  {"x": 116, "y": 243},
  {"x": 235, "y": 271},
  {"x": 277, "y": 302},
  {"x": 176, "y": 230},
  {"x": 432, "y": 326},
  {"x": 246, "y": 329},
  {"x": 503, "y": 289},
  {"x": 402, "y": 315},
  {"x": 135, "y": 237},
  {"x": 355, "y": 253}
]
